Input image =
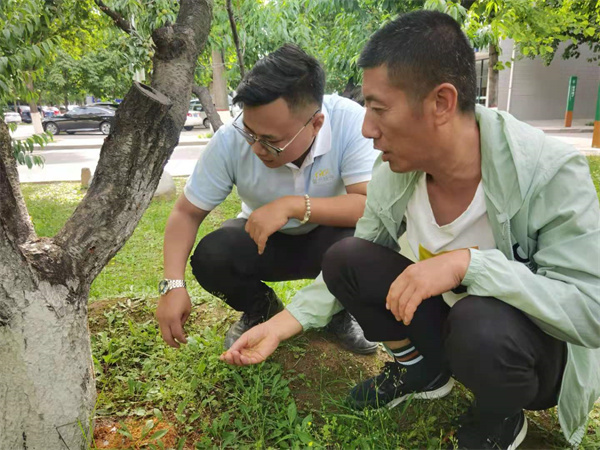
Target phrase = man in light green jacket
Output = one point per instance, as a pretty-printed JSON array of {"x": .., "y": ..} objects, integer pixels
[{"x": 490, "y": 207}]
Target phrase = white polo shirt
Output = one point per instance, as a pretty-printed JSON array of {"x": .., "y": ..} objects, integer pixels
[{"x": 340, "y": 156}]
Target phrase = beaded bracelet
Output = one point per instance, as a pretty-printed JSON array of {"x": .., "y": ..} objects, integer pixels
[{"x": 307, "y": 212}]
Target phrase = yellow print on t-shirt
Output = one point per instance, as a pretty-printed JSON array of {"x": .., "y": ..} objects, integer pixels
[{"x": 426, "y": 254}]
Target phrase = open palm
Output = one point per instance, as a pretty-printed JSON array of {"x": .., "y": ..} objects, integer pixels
[{"x": 253, "y": 347}]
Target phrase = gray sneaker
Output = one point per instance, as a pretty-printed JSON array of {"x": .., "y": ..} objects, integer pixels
[
  {"x": 260, "y": 313},
  {"x": 345, "y": 327}
]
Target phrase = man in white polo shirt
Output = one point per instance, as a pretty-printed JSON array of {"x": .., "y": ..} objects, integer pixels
[{"x": 301, "y": 167}]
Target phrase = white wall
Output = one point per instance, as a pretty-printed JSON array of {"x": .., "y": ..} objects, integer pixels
[{"x": 539, "y": 92}]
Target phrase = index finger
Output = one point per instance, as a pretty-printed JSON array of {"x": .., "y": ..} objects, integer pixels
[
  {"x": 262, "y": 243},
  {"x": 177, "y": 332},
  {"x": 165, "y": 332}
]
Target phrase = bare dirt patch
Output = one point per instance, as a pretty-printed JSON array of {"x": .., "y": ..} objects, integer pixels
[
  {"x": 323, "y": 367},
  {"x": 111, "y": 434}
]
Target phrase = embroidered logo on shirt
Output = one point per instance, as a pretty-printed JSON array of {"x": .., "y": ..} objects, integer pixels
[{"x": 322, "y": 176}]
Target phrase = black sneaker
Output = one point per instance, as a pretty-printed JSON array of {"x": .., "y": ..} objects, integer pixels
[
  {"x": 501, "y": 434},
  {"x": 345, "y": 327},
  {"x": 262, "y": 312},
  {"x": 397, "y": 383}
]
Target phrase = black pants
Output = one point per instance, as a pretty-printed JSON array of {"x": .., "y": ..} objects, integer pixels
[
  {"x": 226, "y": 262},
  {"x": 491, "y": 347}
]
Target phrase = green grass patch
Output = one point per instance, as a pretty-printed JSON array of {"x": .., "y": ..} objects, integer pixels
[{"x": 152, "y": 396}]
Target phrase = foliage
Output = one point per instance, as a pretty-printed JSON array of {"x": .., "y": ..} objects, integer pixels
[
  {"x": 31, "y": 32},
  {"x": 26, "y": 42},
  {"x": 537, "y": 28},
  {"x": 23, "y": 148}
]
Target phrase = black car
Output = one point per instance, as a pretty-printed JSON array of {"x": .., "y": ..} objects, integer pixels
[{"x": 83, "y": 118}]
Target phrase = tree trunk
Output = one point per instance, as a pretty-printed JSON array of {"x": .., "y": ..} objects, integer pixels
[
  {"x": 47, "y": 390},
  {"x": 219, "y": 81},
  {"x": 492, "y": 88},
  {"x": 236, "y": 39},
  {"x": 207, "y": 104},
  {"x": 66, "y": 102},
  {"x": 353, "y": 92},
  {"x": 47, "y": 387},
  {"x": 33, "y": 109}
]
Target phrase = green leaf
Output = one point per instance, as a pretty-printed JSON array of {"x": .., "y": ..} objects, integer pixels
[
  {"x": 194, "y": 417},
  {"x": 181, "y": 406},
  {"x": 159, "y": 434},
  {"x": 292, "y": 412},
  {"x": 147, "y": 428}
]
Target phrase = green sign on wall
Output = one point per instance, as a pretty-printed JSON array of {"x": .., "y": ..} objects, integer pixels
[{"x": 571, "y": 95}]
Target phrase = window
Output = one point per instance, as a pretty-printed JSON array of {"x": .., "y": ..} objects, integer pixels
[{"x": 481, "y": 67}]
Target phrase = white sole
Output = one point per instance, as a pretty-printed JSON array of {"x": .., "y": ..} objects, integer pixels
[
  {"x": 520, "y": 437},
  {"x": 429, "y": 395}
]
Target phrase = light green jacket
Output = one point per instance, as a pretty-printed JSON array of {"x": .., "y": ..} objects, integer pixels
[{"x": 545, "y": 217}]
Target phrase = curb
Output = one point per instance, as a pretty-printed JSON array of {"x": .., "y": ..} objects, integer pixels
[
  {"x": 98, "y": 146},
  {"x": 566, "y": 130}
]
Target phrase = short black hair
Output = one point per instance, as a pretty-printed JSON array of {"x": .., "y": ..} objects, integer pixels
[
  {"x": 289, "y": 73},
  {"x": 422, "y": 50}
]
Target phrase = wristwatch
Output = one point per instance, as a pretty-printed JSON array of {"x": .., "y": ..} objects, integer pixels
[{"x": 166, "y": 285}]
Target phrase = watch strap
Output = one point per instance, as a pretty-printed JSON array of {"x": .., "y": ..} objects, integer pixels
[{"x": 175, "y": 284}]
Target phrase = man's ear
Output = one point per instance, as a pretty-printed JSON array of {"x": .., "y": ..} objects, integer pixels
[
  {"x": 317, "y": 122},
  {"x": 445, "y": 101}
]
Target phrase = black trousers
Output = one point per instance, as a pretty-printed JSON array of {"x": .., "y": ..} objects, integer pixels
[
  {"x": 226, "y": 262},
  {"x": 494, "y": 349}
]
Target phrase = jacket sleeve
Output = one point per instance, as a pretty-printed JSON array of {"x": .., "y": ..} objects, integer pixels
[
  {"x": 562, "y": 296},
  {"x": 314, "y": 306}
]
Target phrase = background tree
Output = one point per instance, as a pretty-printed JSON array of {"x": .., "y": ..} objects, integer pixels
[{"x": 47, "y": 389}]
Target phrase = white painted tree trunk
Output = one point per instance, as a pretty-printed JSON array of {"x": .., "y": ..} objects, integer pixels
[{"x": 47, "y": 388}]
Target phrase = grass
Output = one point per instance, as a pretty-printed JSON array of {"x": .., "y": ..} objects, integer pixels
[{"x": 152, "y": 396}]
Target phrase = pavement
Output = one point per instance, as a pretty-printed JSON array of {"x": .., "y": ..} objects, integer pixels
[{"x": 68, "y": 154}]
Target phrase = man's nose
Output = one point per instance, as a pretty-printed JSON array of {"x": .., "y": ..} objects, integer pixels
[
  {"x": 369, "y": 128},
  {"x": 259, "y": 149}
]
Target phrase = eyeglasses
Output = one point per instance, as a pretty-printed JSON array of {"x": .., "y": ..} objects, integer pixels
[{"x": 252, "y": 139}]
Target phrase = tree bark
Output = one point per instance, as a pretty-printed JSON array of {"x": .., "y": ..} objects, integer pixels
[
  {"x": 47, "y": 391},
  {"x": 353, "y": 92},
  {"x": 207, "y": 104},
  {"x": 236, "y": 39},
  {"x": 492, "y": 88},
  {"x": 219, "y": 80},
  {"x": 33, "y": 109}
]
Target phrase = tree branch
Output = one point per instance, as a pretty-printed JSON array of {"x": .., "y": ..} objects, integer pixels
[
  {"x": 145, "y": 132},
  {"x": 236, "y": 39},
  {"x": 115, "y": 16},
  {"x": 14, "y": 218},
  {"x": 207, "y": 104}
]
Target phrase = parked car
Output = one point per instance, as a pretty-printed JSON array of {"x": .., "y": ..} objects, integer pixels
[
  {"x": 105, "y": 104},
  {"x": 49, "y": 111},
  {"x": 82, "y": 118},
  {"x": 25, "y": 114},
  {"x": 196, "y": 116},
  {"x": 11, "y": 116},
  {"x": 234, "y": 109}
]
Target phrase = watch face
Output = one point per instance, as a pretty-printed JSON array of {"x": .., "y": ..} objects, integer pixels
[{"x": 163, "y": 287}]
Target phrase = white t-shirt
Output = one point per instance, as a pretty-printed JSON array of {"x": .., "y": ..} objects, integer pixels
[
  {"x": 427, "y": 239},
  {"x": 340, "y": 156}
]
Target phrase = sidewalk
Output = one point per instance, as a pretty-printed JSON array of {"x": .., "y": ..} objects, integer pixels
[
  {"x": 558, "y": 126},
  {"x": 95, "y": 140}
]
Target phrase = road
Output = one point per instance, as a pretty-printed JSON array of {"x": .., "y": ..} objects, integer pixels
[{"x": 65, "y": 158}]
